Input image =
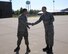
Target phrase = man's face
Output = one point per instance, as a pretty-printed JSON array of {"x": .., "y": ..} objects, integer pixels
[
  {"x": 43, "y": 10},
  {"x": 26, "y": 12}
]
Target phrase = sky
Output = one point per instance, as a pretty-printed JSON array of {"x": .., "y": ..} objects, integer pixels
[{"x": 38, "y": 4}]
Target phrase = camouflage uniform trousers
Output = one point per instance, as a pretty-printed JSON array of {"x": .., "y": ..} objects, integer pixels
[
  {"x": 49, "y": 34},
  {"x": 20, "y": 36}
]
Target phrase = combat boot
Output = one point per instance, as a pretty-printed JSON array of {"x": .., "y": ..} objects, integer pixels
[{"x": 17, "y": 49}]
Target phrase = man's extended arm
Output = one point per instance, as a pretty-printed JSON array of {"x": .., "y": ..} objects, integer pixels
[
  {"x": 28, "y": 24},
  {"x": 38, "y": 21}
]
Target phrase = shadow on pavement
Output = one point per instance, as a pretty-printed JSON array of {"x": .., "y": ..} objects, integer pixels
[
  {"x": 17, "y": 52},
  {"x": 50, "y": 53},
  {"x": 27, "y": 52}
]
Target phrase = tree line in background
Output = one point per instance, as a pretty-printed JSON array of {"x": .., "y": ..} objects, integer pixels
[
  {"x": 31, "y": 12},
  {"x": 35, "y": 12}
]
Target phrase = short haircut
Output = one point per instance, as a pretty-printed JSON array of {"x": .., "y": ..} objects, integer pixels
[
  {"x": 44, "y": 7},
  {"x": 24, "y": 10}
]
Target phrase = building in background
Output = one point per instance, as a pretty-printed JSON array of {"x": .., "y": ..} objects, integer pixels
[{"x": 5, "y": 9}]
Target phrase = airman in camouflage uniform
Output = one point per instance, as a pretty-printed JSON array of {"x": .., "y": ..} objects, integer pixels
[
  {"x": 47, "y": 19},
  {"x": 22, "y": 30}
]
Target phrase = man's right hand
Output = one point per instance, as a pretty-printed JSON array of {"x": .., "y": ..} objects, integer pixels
[{"x": 32, "y": 24}]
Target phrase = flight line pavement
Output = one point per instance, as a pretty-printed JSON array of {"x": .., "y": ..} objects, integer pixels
[{"x": 8, "y": 38}]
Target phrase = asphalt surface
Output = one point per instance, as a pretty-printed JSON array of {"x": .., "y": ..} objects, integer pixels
[{"x": 8, "y": 38}]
